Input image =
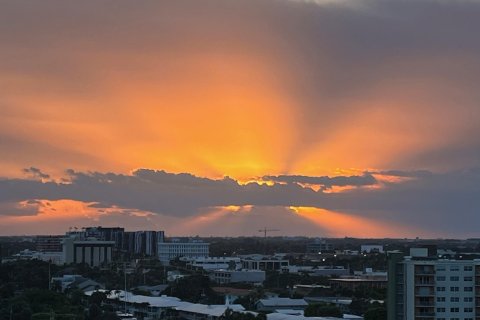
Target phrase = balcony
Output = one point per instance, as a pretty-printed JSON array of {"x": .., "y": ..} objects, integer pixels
[
  {"x": 424, "y": 304},
  {"x": 424, "y": 291},
  {"x": 425, "y": 315}
]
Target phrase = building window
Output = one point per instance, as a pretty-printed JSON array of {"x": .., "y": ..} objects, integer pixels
[
  {"x": 454, "y": 278},
  {"x": 440, "y": 309},
  {"x": 467, "y": 268},
  {"x": 440, "y": 299},
  {"x": 468, "y": 289},
  {"x": 468, "y": 299},
  {"x": 454, "y": 299},
  {"x": 440, "y": 288},
  {"x": 454, "y": 268},
  {"x": 467, "y": 278},
  {"x": 440, "y": 278},
  {"x": 454, "y": 310},
  {"x": 468, "y": 310},
  {"x": 454, "y": 289}
]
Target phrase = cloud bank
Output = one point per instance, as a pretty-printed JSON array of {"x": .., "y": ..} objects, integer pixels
[{"x": 436, "y": 203}]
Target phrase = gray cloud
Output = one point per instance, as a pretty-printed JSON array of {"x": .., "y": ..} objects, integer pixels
[
  {"x": 327, "y": 182},
  {"x": 35, "y": 173},
  {"x": 443, "y": 203}
]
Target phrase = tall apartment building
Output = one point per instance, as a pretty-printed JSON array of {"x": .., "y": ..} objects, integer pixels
[
  {"x": 424, "y": 287},
  {"x": 182, "y": 248},
  {"x": 134, "y": 242}
]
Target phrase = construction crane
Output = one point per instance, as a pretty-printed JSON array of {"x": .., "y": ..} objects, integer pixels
[{"x": 265, "y": 230}]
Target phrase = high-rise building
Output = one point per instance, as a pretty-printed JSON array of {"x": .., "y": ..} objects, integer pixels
[{"x": 423, "y": 286}]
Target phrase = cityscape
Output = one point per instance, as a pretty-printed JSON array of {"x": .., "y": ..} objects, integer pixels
[{"x": 239, "y": 160}]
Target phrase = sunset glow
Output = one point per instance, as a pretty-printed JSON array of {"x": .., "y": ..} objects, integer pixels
[{"x": 318, "y": 116}]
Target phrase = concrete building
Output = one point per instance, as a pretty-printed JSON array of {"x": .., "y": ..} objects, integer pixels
[
  {"x": 319, "y": 245},
  {"x": 90, "y": 251},
  {"x": 423, "y": 287},
  {"x": 182, "y": 248},
  {"x": 140, "y": 243},
  {"x": 265, "y": 263},
  {"x": 233, "y": 276},
  {"x": 212, "y": 263}
]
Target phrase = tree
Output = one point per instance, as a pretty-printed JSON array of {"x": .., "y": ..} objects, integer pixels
[
  {"x": 323, "y": 310},
  {"x": 378, "y": 313}
]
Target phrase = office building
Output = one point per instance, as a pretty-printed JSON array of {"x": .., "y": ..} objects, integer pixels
[
  {"x": 235, "y": 276},
  {"x": 319, "y": 245},
  {"x": 182, "y": 248},
  {"x": 91, "y": 251}
]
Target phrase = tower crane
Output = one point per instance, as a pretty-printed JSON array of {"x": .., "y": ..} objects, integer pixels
[{"x": 265, "y": 230}]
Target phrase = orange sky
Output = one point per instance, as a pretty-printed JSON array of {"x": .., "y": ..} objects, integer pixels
[{"x": 233, "y": 89}]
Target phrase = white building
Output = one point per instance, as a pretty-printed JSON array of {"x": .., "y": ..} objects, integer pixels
[
  {"x": 212, "y": 263},
  {"x": 170, "y": 250},
  {"x": 423, "y": 287},
  {"x": 233, "y": 276},
  {"x": 145, "y": 306}
]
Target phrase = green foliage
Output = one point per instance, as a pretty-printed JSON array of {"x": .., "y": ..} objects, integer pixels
[
  {"x": 233, "y": 315},
  {"x": 194, "y": 288},
  {"x": 322, "y": 310},
  {"x": 378, "y": 313}
]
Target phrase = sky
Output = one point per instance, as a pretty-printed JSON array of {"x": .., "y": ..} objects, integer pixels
[{"x": 219, "y": 117}]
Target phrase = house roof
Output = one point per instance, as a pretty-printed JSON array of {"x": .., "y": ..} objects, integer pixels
[
  {"x": 232, "y": 291},
  {"x": 281, "y": 316},
  {"x": 282, "y": 302},
  {"x": 211, "y": 310}
]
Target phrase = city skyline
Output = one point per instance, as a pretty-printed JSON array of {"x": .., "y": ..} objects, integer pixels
[{"x": 316, "y": 118}]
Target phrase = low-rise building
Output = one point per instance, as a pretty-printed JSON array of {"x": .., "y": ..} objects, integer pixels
[
  {"x": 265, "y": 263},
  {"x": 195, "y": 311},
  {"x": 212, "y": 263},
  {"x": 234, "y": 276},
  {"x": 371, "y": 248},
  {"x": 177, "y": 248},
  {"x": 270, "y": 305}
]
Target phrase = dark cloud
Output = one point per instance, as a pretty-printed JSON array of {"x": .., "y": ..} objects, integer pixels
[
  {"x": 325, "y": 181},
  {"x": 443, "y": 203},
  {"x": 35, "y": 173}
]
